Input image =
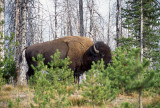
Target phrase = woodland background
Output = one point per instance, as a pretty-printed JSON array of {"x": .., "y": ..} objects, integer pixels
[{"x": 127, "y": 24}]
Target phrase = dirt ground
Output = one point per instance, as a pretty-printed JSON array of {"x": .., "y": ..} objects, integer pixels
[{"x": 22, "y": 97}]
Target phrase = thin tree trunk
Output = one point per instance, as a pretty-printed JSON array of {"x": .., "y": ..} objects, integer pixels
[
  {"x": 55, "y": 7},
  {"x": 118, "y": 21},
  {"x": 81, "y": 17},
  {"x": 92, "y": 29},
  {"x": 140, "y": 99},
  {"x": 51, "y": 29},
  {"x": 91, "y": 17},
  {"x": 31, "y": 29},
  {"x": 64, "y": 27},
  {"x": 22, "y": 76},
  {"x": 141, "y": 46},
  {"x": 108, "y": 38},
  {"x": 128, "y": 24},
  {"x": 2, "y": 30},
  {"x": 141, "y": 32},
  {"x": 39, "y": 27},
  {"x": 17, "y": 36},
  {"x": 86, "y": 25},
  {"x": 120, "y": 18},
  {"x": 69, "y": 25}
]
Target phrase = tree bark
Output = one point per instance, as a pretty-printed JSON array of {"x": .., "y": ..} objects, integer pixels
[
  {"x": 31, "y": 29},
  {"x": 39, "y": 26},
  {"x": 140, "y": 99},
  {"x": 2, "y": 30},
  {"x": 128, "y": 7},
  {"x": 118, "y": 24},
  {"x": 141, "y": 53},
  {"x": 92, "y": 29},
  {"x": 56, "y": 28},
  {"x": 141, "y": 32},
  {"x": 81, "y": 17},
  {"x": 22, "y": 75},
  {"x": 108, "y": 38},
  {"x": 91, "y": 17},
  {"x": 17, "y": 36},
  {"x": 69, "y": 24}
]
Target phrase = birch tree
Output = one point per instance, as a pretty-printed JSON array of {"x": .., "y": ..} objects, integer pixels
[
  {"x": 22, "y": 75},
  {"x": 81, "y": 17},
  {"x": 17, "y": 35},
  {"x": 108, "y": 31},
  {"x": 39, "y": 27},
  {"x": 90, "y": 6},
  {"x": 2, "y": 30},
  {"x": 141, "y": 47},
  {"x": 69, "y": 24},
  {"x": 56, "y": 25},
  {"x": 118, "y": 24}
]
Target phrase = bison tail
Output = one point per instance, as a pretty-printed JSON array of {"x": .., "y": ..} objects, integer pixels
[{"x": 20, "y": 57}]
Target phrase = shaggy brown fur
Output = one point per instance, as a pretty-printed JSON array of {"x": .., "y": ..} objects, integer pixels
[{"x": 80, "y": 50}]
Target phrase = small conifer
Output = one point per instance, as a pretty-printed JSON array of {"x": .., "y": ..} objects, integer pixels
[{"x": 96, "y": 87}]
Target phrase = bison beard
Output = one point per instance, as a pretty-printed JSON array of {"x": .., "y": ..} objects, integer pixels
[{"x": 80, "y": 50}]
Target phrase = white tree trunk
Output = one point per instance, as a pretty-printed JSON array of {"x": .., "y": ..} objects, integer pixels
[
  {"x": 141, "y": 32},
  {"x": 2, "y": 30},
  {"x": 17, "y": 36},
  {"x": 141, "y": 54},
  {"x": 118, "y": 21},
  {"x": 108, "y": 38},
  {"x": 69, "y": 24},
  {"x": 56, "y": 27},
  {"x": 92, "y": 29},
  {"x": 81, "y": 17},
  {"x": 128, "y": 7},
  {"x": 39, "y": 26},
  {"x": 22, "y": 75}
]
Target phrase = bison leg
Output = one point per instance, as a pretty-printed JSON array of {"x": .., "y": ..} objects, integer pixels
[
  {"x": 76, "y": 78},
  {"x": 29, "y": 73}
]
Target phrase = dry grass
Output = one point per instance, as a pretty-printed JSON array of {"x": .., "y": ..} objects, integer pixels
[
  {"x": 7, "y": 88},
  {"x": 153, "y": 101},
  {"x": 89, "y": 106},
  {"x": 70, "y": 88},
  {"x": 85, "y": 106},
  {"x": 22, "y": 88},
  {"x": 133, "y": 99},
  {"x": 5, "y": 93},
  {"x": 76, "y": 100},
  {"x": 25, "y": 95},
  {"x": 10, "y": 93},
  {"x": 5, "y": 98}
]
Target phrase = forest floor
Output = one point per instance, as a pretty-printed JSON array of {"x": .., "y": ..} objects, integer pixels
[{"x": 22, "y": 97}]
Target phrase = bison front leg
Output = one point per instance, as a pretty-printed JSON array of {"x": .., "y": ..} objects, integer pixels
[{"x": 76, "y": 78}]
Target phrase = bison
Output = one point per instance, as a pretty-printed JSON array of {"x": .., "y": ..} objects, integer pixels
[{"x": 80, "y": 50}]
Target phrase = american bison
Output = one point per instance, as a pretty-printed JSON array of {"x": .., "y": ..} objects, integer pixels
[{"x": 80, "y": 50}]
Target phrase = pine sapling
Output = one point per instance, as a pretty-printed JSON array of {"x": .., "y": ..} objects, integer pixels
[{"x": 96, "y": 87}]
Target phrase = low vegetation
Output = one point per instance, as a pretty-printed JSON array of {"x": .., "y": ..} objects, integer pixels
[{"x": 103, "y": 87}]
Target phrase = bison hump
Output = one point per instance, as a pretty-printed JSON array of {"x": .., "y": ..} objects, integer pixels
[{"x": 77, "y": 47}]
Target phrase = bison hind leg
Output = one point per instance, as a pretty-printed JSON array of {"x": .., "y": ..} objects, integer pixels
[{"x": 29, "y": 73}]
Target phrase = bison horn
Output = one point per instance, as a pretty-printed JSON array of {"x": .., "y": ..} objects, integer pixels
[{"x": 95, "y": 49}]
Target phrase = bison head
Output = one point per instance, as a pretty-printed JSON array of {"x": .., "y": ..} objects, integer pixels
[{"x": 96, "y": 52}]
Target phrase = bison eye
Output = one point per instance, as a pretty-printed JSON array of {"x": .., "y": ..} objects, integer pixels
[{"x": 103, "y": 55}]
